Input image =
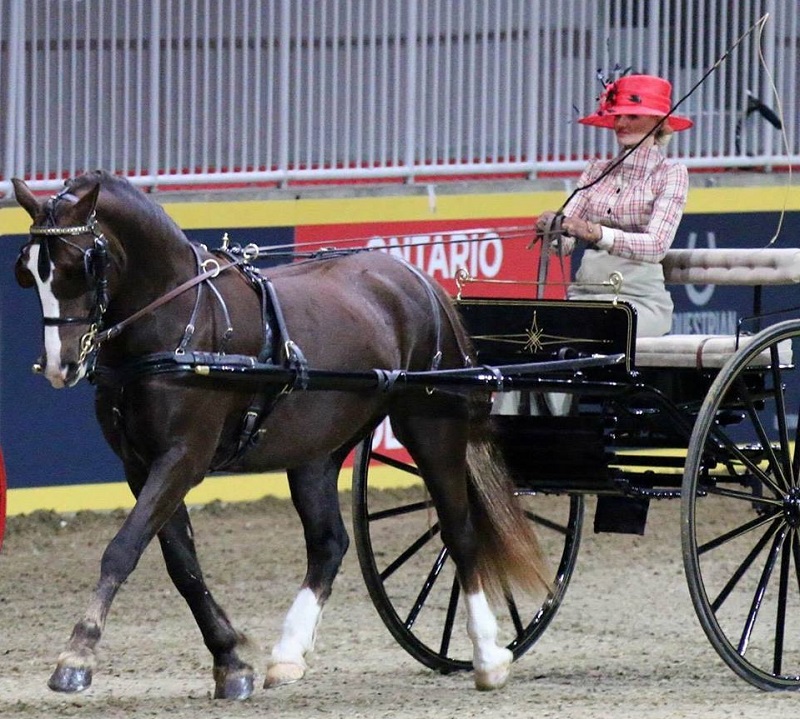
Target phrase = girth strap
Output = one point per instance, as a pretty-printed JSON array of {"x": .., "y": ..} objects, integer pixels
[{"x": 263, "y": 402}]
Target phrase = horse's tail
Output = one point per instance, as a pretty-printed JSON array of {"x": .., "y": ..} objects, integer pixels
[{"x": 509, "y": 554}]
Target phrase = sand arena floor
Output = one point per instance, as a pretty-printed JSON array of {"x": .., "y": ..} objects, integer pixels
[{"x": 625, "y": 644}]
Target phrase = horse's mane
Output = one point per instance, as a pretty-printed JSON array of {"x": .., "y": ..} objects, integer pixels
[
  {"x": 128, "y": 196},
  {"x": 102, "y": 177}
]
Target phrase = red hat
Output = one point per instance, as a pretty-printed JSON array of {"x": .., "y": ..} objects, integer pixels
[{"x": 636, "y": 95}]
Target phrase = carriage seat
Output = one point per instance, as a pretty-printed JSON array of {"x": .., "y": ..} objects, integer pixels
[
  {"x": 741, "y": 267},
  {"x": 698, "y": 351}
]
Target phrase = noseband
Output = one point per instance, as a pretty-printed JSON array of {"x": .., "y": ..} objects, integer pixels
[{"x": 95, "y": 262}]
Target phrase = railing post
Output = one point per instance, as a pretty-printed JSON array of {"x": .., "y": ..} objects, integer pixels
[
  {"x": 411, "y": 89},
  {"x": 766, "y": 141},
  {"x": 154, "y": 102},
  {"x": 15, "y": 130},
  {"x": 284, "y": 93},
  {"x": 531, "y": 119}
]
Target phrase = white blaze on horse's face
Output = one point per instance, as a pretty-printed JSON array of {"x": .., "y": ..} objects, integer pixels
[{"x": 60, "y": 374}]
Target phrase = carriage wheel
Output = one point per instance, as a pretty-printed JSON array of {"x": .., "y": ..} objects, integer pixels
[
  {"x": 741, "y": 512},
  {"x": 411, "y": 578}
]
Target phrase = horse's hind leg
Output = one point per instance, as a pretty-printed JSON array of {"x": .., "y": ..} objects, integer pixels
[
  {"x": 316, "y": 499},
  {"x": 233, "y": 678},
  {"x": 438, "y": 445}
]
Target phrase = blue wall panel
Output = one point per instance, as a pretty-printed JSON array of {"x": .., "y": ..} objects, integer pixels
[{"x": 51, "y": 437}]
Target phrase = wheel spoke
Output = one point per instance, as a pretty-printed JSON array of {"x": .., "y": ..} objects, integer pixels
[
  {"x": 796, "y": 554},
  {"x": 780, "y": 615},
  {"x": 774, "y": 462},
  {"x": 743, "y": 567},
  {"x": 758, "y": 597},
  {"x": 427, "y": 585},
  {"x": 744, "y": 496},
  {"x": 796, "y": 457},
  {"x": 755, "y": 469},
  {"x": 780, "y": 412},
  {"x": 547, "y": 523},
  {"x": 513, "y": 612},
  {"x": 410, "y": 551},
  {"x": 450, "y": 619},
  {"x": 399, "y": 511},
  {"x": 396, "y": 463},
  {"x": 735, "y": 533}
]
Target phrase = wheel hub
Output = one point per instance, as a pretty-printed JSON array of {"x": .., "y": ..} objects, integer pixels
[{"x": 791, "y": 507}]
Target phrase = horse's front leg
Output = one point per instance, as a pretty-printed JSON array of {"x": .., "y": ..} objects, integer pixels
[
  {"x": 232, "y": 677},
  {"x": 166, "y": 486},
  {"x": 315, "y": 496}
]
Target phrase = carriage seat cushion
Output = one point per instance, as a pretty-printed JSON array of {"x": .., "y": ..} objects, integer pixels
[
  {"x": 698, "y": 351},
  {"x": 717, "y": 266}
]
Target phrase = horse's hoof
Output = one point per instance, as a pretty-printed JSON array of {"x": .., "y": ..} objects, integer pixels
[
  {"x": 70, "y": 679},
  {"x": 283, "y": 673},
  {"x": 235, "y": 686},
  {"x": 489, "y": 679}
]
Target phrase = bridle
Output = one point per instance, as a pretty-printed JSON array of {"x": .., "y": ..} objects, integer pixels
[{"x": 95, "y": 262}]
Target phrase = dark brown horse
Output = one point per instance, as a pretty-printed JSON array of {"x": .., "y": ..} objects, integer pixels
[{"x": 106, "y": 262}]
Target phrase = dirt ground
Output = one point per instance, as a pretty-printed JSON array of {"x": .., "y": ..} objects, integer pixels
[{"x": 626, "y": 642}]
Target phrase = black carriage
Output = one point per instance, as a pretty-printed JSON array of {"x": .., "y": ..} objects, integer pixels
[{"x": 710, "y": 420}]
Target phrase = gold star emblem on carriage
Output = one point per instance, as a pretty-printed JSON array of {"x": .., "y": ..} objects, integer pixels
[{"x": 535, "y": 338}]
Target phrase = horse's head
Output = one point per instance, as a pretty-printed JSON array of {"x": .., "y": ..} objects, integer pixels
[{"x": 66, "y": 260}]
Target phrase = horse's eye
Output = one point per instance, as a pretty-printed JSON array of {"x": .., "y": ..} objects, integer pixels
[{"x": 23, "y": 274}]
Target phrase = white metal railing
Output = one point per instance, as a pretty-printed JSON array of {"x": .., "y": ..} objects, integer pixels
[{"x": 188, "y": 92}]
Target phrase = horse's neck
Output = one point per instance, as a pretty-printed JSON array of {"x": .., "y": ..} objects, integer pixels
[
  {"x": 149, "y": 238},
  {"x": 154, "y": 255}
]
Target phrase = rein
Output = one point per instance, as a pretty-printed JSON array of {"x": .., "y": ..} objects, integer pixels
[{"x": 116, "y": 329}]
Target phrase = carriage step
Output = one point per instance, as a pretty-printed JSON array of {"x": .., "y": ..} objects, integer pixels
[{"x": 621, "y": 515}]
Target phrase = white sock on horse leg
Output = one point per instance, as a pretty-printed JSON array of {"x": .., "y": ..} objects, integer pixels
[
  {"x": 491, "y": 662},
  {"x": 299, "y": 630}
]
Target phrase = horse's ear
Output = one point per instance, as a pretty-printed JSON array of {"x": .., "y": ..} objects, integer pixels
[
  {"x": 25, "y": 198},
  {"x": 87, "y": 204}
]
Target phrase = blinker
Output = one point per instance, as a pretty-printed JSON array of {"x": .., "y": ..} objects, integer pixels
[{"x": 43, "y": 264}]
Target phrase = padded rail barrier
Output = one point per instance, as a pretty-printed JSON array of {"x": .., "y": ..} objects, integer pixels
[{"x": 746, "y": 268}]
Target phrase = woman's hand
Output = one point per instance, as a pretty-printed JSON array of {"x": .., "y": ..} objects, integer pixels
[
  {"x": 581, "y": 229},
  {"x": 543, "y": 225}
]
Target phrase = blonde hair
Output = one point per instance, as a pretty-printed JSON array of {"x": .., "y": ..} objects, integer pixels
[{"x": 664, "y": 134}]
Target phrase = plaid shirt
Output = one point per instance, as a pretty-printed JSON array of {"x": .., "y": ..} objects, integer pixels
[{"x": 642, "y": 200}]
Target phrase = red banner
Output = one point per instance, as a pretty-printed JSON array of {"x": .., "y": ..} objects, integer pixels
[{"x": 493, "y": 253}]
